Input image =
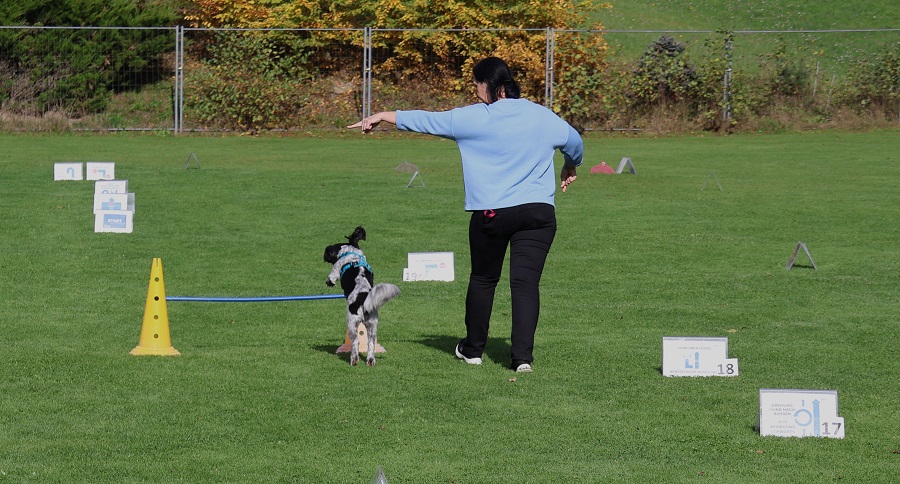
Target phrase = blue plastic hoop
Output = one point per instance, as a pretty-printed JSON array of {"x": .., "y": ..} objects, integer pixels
[{"x": 254, "y": 299}]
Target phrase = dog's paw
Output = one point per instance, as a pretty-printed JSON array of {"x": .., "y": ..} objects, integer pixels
[
  {"x": 354, "y": 361},
  {"x": 329, "y": 283},
  {"x": 370, "y": 361}
]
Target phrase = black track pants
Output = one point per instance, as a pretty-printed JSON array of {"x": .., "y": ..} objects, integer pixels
[{"x": 528, "y": 231}]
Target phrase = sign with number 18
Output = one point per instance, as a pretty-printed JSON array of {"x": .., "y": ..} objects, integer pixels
[{"x": 697, "y": 357}]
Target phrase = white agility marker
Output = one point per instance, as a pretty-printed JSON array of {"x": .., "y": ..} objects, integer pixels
[
  {"x": 429, "y": 266},
  {"x": 113, "y": 201},
  {"x": 799, "y": 413},
  {"x": 119, "y": 221},
  {"x": 68, "y": 171},
  {"x": 697, "y": 357},
  {"x": 111, "y": 186},
  {"x": 101, "y": 170}
]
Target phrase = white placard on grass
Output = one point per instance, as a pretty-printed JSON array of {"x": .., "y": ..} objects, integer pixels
[
  {"x": 120, "y": 221},
  {"x": 113, "y": 201},
  {"x": 101, "y": 170},
  {"x": 799, "y": 413},
  {"x": 697, "y": 357},
  {"x": 111, "y": 186},
  {"x": 429, "y": 266},
  {"x": 68, "y": 171}
]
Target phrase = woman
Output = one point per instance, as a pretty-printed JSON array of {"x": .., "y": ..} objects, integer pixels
[{"x": 507, "y": 146}]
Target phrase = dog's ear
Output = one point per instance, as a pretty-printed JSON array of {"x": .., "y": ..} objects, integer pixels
[
  {"x": 331, "y": 253},
  {"x": 356, "y": 236}
]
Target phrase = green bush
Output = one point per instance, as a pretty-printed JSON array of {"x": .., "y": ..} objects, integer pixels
[
  {"x": 247, "y": 82},
  {"x": 581, "y": 67},
  {"x": 77, "y": 70},
  {"x": 664, "y": 75},
  {"x": 874, "y": 82},
  {"x": 265, "y": 80},
  {"x": 784, "y": 75}
]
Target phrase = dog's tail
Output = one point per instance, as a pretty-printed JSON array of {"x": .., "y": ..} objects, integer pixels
[{"x": 379, "y": 295}]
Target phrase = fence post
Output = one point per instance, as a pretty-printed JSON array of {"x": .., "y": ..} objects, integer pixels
[
  {"x": 550, "y": 47},
  {"x": 179, "y": 80},
  {"x": 367, "y": 73},
  {"x": 726, "y": 95}
]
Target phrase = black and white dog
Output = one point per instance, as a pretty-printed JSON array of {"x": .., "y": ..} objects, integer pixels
[{"x": 363, "y": 296}]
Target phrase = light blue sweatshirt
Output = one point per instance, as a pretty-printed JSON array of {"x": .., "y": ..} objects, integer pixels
[{"x": 506, "y": 147}]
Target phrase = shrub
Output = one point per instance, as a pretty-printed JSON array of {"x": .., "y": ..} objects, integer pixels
[
  {"x": 785, "y": 76},
  {"x": 76, "y": 71},
  {"x": 262, "y": 80},
  {"x": 580, "y": 69},
  {"x": 873, "y": 83},
  {"x": 664, "y": 75}
]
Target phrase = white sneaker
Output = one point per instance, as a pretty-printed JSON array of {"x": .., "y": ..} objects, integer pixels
[
  {"x": 524, "y": 368},
  {"x": 471, "y": 361}
]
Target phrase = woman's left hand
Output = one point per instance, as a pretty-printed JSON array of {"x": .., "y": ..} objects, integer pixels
[{"x": 567, "y": 175}]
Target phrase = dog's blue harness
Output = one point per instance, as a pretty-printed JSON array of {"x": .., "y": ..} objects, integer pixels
[{"x": 360, "y": 263}]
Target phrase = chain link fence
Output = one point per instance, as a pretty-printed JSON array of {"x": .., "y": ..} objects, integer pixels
[{"x": 186, "y": 79}]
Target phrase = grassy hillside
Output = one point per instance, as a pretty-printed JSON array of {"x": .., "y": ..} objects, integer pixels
[
  {"x": 822, "y": 54},
  {"x": 749, "y": 15}
]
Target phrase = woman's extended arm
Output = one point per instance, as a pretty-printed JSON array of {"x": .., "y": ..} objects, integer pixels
[{"x": 368, "y": 123}]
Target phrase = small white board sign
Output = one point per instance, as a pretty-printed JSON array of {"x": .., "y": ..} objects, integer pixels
[
  {"x": 113, "y": 201},
  {"x": 429, "y": 266},
  {"x": 120, "y": 221},
  {"x": 697, "y": 357},
  {"x": 799, "y": 413},
  {"x": 111, "y": 186},
  {"x": 101, "y": 170},
  {"x": 68, "y": 171}
]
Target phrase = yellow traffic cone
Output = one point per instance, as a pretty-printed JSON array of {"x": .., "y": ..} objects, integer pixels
[
  {"x": 363, "y": 336},
  {"x": 155, "y": 339}
]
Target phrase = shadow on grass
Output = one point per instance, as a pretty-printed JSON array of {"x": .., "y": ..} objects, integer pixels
[
  {"x": 497, "y": 349},
  {"x": 330, "y": 349}
]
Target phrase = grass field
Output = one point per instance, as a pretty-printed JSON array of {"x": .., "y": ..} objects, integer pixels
[{"x": 258, "y": 394}]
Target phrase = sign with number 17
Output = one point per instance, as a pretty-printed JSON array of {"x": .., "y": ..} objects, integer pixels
[{"x": 799, "y": 413}]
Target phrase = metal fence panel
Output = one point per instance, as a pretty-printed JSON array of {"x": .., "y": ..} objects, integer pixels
[
  {"x": 251, "y": 79},
  {"x": 86, "y": 77},
  {"x": 186, "y": 79}
]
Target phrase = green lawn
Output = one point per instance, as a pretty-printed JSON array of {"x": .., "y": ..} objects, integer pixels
[{"x": 258, "y": 394}]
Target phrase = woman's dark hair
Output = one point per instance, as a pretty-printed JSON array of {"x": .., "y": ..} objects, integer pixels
[{"x": 497, "y": 75}]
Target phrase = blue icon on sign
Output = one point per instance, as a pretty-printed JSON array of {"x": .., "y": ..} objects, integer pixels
[
  {"x": 687, "y": 361},
  {"x": 809, "y": 417},
  {"x": 111, "y": 205}
]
